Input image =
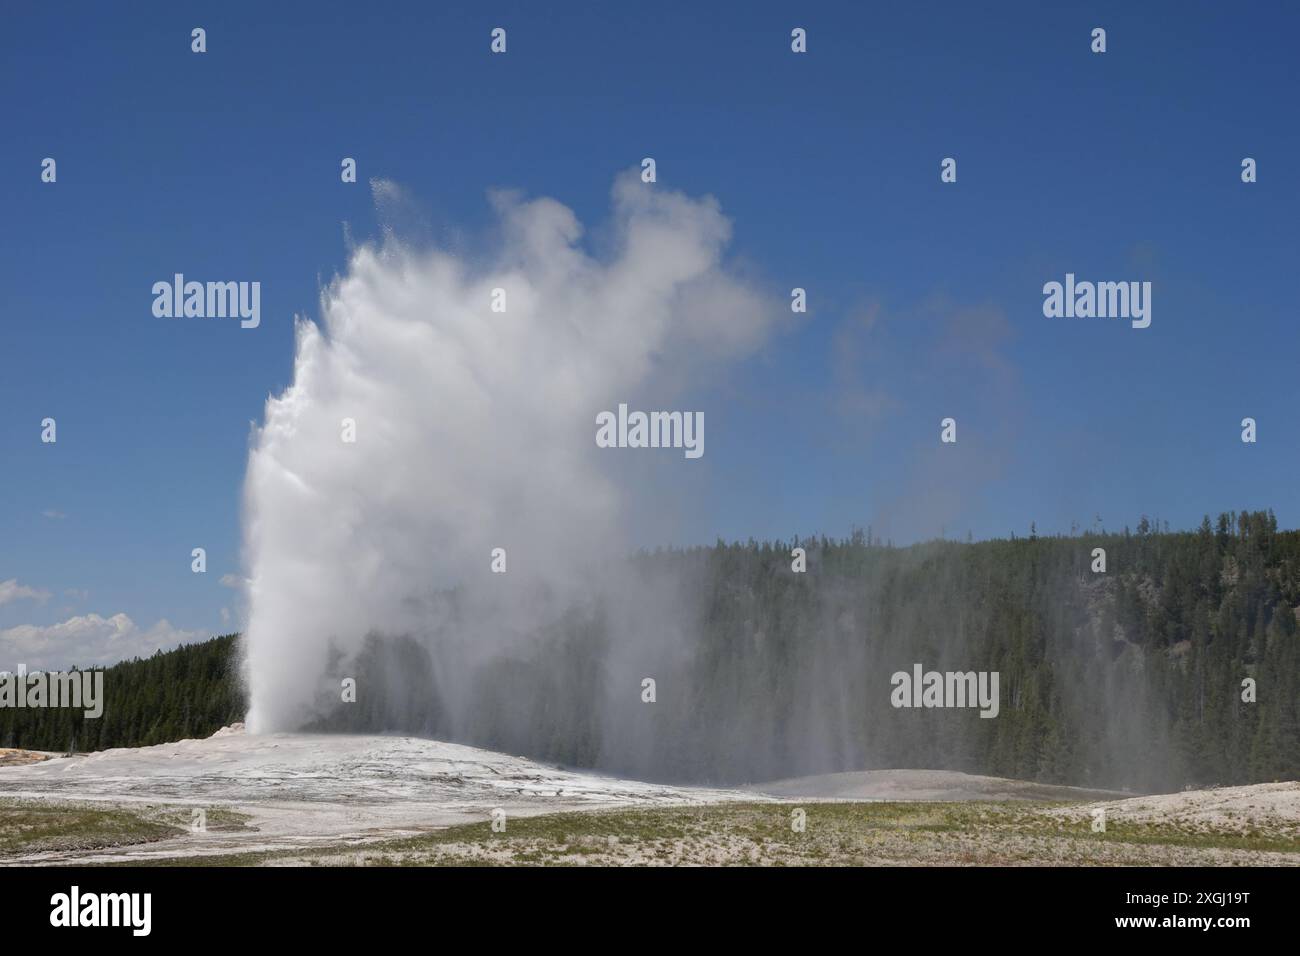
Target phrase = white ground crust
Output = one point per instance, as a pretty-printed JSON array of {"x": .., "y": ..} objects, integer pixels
[
  {"x": 1271, "y": 806},
  {"x": 307, "y": 789},
  {"x": 938, "y": 785}
]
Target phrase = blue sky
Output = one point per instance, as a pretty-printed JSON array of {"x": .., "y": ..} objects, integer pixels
[{"x": 925, "y": 298}]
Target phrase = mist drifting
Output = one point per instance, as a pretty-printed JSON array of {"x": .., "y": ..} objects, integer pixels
[{"x": 474, "y": 430}]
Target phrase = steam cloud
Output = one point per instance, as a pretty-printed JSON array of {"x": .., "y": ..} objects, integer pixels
[{"x": 475, "y": 430}]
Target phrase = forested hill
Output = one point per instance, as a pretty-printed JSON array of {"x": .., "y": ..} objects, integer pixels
[
  {"x": 191, "y": 691},
  {"x": 1128, "y": 678}
]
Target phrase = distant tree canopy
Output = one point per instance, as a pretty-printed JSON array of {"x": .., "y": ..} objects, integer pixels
[
  {"x": 1131, "y": 678},
  {"x": 1127, "y": 678},
  {"x": 191, "y": 691}
]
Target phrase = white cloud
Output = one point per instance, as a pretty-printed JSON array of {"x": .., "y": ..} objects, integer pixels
[
  {"x": 11, "y": 590},
  {"x": 86, "y": 640},
  {"x": 54, "y": 514},
  {"x": 231, "y": 581}
]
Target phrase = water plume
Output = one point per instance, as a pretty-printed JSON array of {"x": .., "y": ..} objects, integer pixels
[{"x": 474, "y": 430}]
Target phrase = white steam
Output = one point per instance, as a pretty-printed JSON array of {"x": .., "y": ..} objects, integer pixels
[{"x": 475, "y": 430}]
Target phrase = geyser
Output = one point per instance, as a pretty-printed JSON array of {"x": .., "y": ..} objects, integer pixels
[{"x": 423, "y": 429}]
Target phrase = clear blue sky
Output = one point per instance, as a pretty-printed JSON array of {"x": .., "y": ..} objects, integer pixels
[{"x": 226, "y": 165}]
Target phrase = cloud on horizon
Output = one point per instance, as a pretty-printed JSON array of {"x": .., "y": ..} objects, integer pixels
[{"x": 87, "y": 640}]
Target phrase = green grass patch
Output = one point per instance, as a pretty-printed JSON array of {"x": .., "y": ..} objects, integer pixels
[
  {"x": 761, "y": 833},
  {"x": 41, "y": 826}
]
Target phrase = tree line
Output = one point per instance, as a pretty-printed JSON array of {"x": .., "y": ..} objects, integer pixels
[
  {"x": 1178, "y": 665},
  {"x": 191, "y": 691}
]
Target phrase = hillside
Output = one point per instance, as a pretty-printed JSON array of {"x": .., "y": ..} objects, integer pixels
[
  {"x": 191, "y": 691},
  {"x": 1130, "y": 679}
]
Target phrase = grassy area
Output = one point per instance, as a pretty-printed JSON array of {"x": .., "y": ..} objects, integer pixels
[
  {"x": 742, "y": 834},
  {"x": 39, "y": 826},
  {"x": 834, "y": 834}
]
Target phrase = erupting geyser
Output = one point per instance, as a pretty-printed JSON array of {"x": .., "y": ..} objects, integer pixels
[{"x": 424, "y": 428}]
